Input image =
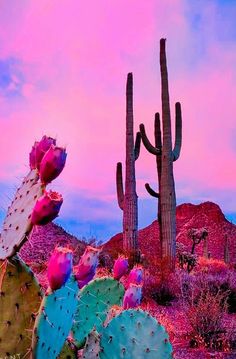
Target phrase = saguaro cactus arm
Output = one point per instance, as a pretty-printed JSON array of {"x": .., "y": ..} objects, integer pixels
[
  {"x": 157, "y": 129},
  {"x": 119, "y": 185},
  {"x": 137, "y": 146},
  {"x": 150, "y": 148},
  {"x": 178, "y": 131},
  {"x": 151, "y": 191}
]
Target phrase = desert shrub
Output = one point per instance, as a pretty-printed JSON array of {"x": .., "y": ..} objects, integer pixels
[
  {"x": 211, "y": 266},
  {"x": 153, "y": 287},
  {"x": 185, "y": 259},
  {"x": 205, "y": 315},
  {"x": 151, "y": 279},
  {"x": 105, "y": 260},
  {"x": 205, "y": 304},
  {"x": 163, "y": 294},
  {"x": 219, "y": 277}
]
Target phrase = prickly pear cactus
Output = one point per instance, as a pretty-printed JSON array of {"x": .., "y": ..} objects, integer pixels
[
  {"x": 20, "y": 299},
  {"x": 134, "y": 334},
  {"x": 67, "y": 352},
  {"x": 92, "y": 346},
  {"x": 54, "y": 321},
  {"x": 95, "y": 300},
  {"x": 17, "y": 225}
]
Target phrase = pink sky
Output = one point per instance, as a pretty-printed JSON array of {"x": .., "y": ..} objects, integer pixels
[{"x": 63, "y": 67}]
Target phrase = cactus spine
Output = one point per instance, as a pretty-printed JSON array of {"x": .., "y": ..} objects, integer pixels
[
  {"x": 165, "y": 157},
  {"x": 128, "y": 200}
]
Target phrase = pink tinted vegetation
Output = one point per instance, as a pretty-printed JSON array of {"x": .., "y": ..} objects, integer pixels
[
  {"x": 52, "y": 164},
  {"x": 135, "y": 276},
  {"x": 133, "y": 296},
  {"x": 46, "y": 208},
  {"x": 59, "y": 267},
  {"x": 42, "y": 147},
  {"x": 120, "y": 267},
  {"x": 32, "y": 156},
  {"x": 85, "y": 270}
]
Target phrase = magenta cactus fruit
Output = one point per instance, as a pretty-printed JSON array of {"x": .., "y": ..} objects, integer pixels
[
  {"x": 59, "y": 267},
  {"x": 135, "y": 275},
  {"x": 133, "y": 296},
  {"x": 52, "y": 164},
  {"x": 85, "y": 270},
  {"x": 85, "y": 280},
  {"x": 46, "y": 208},
  {"x": 120, "y": 268},
  {"x": 42, "y": 147},
  {"x": 32, "y": 156}
]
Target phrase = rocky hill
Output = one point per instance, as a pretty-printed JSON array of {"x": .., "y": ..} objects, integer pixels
[
  {"x": 207, "y": 215},
  {"x": 37, "y": 250}
]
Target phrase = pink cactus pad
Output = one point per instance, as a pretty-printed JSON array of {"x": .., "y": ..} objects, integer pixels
[
  {"x": 42, "y": 147},
  {"x": 85, "y": 270},
  {"x": 120, "y": 268},
  {"x": 46, "y": 208},
  {"x": 32, "y": 156},
  {"x": 133, "y": 296},
  {"x": 59, "y": 267},
  {"x": 135, "y": 275},
  {"x": 52, "y": 164}
]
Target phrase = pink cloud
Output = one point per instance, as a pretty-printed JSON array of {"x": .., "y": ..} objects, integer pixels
[{"x": 74, "y": 57}]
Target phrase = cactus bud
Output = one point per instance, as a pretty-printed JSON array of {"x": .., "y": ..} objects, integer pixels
[
  {"x": 46, "y": 208},
  {"x": 135, "y": 275},
  {"x": 52, "y": 164},
  {"x": 32, "y": 156},
  {"x": 120, "y": 267},
  {"x": 85, "y": 270},
  {"x": 133, "y": 296},
  {"x": 59, "y": 267},
  {"x": 42, "y": 147}
]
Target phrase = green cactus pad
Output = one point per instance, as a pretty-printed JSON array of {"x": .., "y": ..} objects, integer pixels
[
  {"x": 95, "y": 300},
  {"x": 20, "y": 299},
  {"x": 92, "y": 346},
  {"x": 17, "y": 225},
  {"x": 67, "y": 352},
  {"x": 54, "y": 321},
  {"x": 134, "y": 334}
]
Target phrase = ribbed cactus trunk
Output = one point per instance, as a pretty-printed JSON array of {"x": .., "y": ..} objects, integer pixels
[
  {"x": 167, "y": 193},
  {"x": 130, "y": 218},
  {"x": 128, "y": 199}
]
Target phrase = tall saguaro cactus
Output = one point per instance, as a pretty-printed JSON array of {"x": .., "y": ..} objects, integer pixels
[
  {"x": 127, "y": 199},
  {"x": 167, "y": 195},
  {"x": 165, "y": 157}
]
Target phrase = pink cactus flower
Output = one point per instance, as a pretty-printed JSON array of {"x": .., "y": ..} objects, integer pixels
[
  {"x": 59, "y": 267},
  {"x": 133, "y": 296},
  {"x": 42, "y": 147},
  {"x": 52, "y": 164},
  {"x": 135, "y": 275},
  {"x": 46, "y": 208},
  {"x": 86, "y": 269},
  {"x": 120, "y": 268},
  {"x": 32, "y": 156}
]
